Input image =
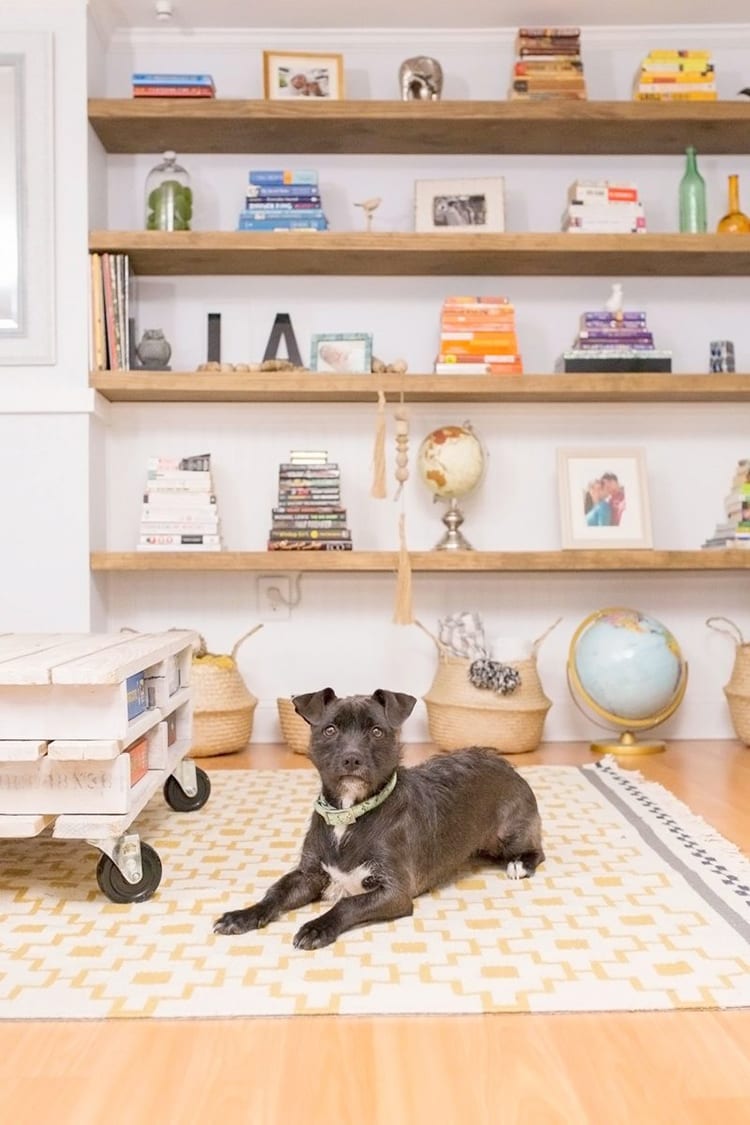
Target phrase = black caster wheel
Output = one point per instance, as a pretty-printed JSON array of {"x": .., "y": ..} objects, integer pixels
[
  {"x": 115, "y": 886},
  {"x": 177, "y": 798}
]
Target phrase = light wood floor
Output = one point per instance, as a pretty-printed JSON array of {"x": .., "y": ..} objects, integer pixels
[{"x": 635, "y": 1069}]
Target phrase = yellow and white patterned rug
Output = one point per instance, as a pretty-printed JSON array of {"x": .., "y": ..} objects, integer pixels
[{"x": 639, "y": 905}]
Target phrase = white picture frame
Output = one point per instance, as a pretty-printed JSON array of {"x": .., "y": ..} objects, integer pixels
[
  {"x": 341, "y": 353},
  {"x": 604, "y": 501},
  {"x": 27, "y": 283},
  {"x": 467, "y": 206}
]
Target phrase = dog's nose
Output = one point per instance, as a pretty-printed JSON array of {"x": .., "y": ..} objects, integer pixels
[{"x": 351, "y": 761}]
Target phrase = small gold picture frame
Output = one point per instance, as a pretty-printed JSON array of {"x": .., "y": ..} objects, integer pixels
[{"x": 303, "y": 75}]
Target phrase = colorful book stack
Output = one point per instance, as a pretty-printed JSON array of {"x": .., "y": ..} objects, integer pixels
[
  {"x": 615, "y": 342},
  {"x": 179, "y": 510},
  {"x": 309, "y": 516},
  {"x": 173, "y": 86},
  {"x": 601, "y": 207},
  {"x": 549, "y": 65},
  {"x": 676, "y": 76},
  {"x": 734, "y": 530},
  {"x": 278, "y": 199},
  {"x": 478, "y": 337}
]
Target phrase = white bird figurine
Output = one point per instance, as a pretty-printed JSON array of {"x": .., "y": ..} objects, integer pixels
[
  {"x": 614, "y": 303},
  {"x": 369, "y": 206}
]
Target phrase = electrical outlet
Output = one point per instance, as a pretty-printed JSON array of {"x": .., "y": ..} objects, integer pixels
[{"x": 274, "y": 596}]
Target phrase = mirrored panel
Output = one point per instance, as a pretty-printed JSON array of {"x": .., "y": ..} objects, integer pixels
[
  {"x": 27, "y": 169},
  {"x": 10, "y": 196}
]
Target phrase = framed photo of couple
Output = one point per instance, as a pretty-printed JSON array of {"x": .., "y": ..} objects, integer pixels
[{"x": 603, "y": 498}]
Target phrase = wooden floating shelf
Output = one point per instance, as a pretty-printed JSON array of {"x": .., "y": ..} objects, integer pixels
[
  {"x": 508, "y": 562},
  {"x": 395, "y": 254},
  {"x": 221, "y": 125},
  {"x": 199, "y": 386}
]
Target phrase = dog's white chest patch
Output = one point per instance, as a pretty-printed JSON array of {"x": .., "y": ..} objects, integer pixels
[{"x": 345, "y": 884}]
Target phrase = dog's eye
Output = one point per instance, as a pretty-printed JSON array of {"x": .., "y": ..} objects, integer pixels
[
  {"x": 376, "y": 732},
  {"x": 329, "y": 730}
]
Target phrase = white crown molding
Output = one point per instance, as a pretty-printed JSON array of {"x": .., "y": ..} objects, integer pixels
[{"x": 405, "y": 39}]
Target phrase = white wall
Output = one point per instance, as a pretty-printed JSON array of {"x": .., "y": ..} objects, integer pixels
[
  {"x": 342, "y": 633},
  {"x": 44, "y": 410}
]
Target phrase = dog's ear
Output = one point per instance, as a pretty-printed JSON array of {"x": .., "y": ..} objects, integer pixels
[
  {"x": 397, "y": 706},
  {"x": 312, "y": 705}
]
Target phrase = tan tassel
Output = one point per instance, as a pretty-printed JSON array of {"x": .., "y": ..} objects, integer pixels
[
  {"x": 403, "y": 613},
  {"x": 379, "y": 490}
]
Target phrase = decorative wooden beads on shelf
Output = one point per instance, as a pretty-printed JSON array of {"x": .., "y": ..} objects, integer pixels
[{"x": 402, "y": 447}]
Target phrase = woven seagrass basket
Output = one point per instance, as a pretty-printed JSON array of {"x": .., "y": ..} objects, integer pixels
[
  {"x": 459, "y": 714},
  {"x": 737, "y": 688},
  {"x": 295, "y": 730},
  {"x": 223, "y": 708}
]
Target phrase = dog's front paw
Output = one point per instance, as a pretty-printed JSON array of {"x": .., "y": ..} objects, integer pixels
[
  {"x": 315, "y": 934},
  {"x": 241, "y": 921},
  {"x": 516, "y": 870}
]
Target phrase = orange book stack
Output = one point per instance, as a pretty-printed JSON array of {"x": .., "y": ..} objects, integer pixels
[{"x": 478, "y": 337}]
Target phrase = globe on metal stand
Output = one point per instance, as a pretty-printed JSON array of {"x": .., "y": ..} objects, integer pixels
[
  {"x": 625, "y": 670},
  {"x": 453, "y": 539},
  {"x": 451, "y": 462}
]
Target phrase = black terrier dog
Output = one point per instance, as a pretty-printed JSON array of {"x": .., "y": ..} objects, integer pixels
[{"x": 382, "y": 834}]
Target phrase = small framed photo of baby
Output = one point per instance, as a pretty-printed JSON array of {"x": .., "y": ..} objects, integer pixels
[
  {"x": 299, "y": 74},
  {"x": 603, "y": 498},
  {"x": 343, "y": 353}
]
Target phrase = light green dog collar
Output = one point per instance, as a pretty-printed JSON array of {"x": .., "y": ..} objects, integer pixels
[{"x": 337, "y": 817}]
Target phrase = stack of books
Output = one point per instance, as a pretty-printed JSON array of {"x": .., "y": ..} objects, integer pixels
[
  {"x": 309, "y": 516},
  {"x": 173, "y": 86},
  {"x": 734, "y": 529},
  {"x": 279, "y": 199},
  {"x": 110, "y": 297},
  {"x": 549, "y": 65},
  {"x": 676, "y": 76},
  {"x": 615, "y": 342},
  {"x": 179, "y": 510},
  {"x": 601, "y": 207},
  {"x": 478, "y": 337}
]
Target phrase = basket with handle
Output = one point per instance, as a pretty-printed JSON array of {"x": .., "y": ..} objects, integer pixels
[
  {"x": 737, "y": 688},
  {"x": 295, "y": 730},
  {"x": 459, "y": 714},
  {"x": 223, "y": 707}
]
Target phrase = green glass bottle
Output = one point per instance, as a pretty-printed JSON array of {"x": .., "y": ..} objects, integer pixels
[{"x": 692, "y": 197}]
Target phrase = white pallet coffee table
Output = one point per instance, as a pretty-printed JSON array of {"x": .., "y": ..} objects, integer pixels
[{"x": 72, "y": 709}]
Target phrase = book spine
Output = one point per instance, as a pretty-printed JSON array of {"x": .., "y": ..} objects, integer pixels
[
  {"x": 478, "y": 369},
  {"x": 476, "y": 357},
  {"x": 308, "y": 545},
  {"x": 675, "y": 89},
  {"x": 283, "y": 191},
  {"x": 179, "y": 499},
  {"x": 671, "y": 56},
  {"x": 276, "y": 177},
  {"x": 310, "y": 533},
  {"x": 172, "y": 79},
  {"x": 276, "y": 211},
  {"x": 181, "y": 540},
  {"x": 282, "y": 224},
  {"x": 308, "y": 519},
  {"x": 549, "y": 32},
  {"x": 254, "y": 206},
  {"x": 172, "y": 92}
]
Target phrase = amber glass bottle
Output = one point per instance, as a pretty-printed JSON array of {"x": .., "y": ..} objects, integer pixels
[{"x": 734, "y": 222}]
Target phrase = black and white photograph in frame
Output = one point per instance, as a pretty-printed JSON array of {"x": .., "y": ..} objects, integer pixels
[{"x": 476, "y": 205}]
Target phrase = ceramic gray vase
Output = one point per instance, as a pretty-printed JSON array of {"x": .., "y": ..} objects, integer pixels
[{"x": 154, "y": 350}]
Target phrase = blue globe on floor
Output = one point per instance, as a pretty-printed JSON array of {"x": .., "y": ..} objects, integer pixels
[{"x": 626, "y": 671}]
